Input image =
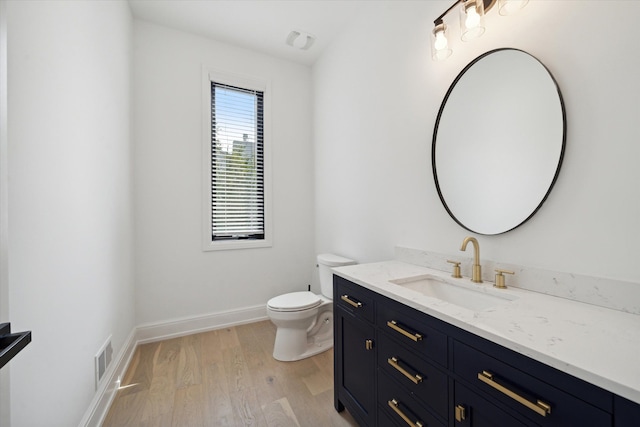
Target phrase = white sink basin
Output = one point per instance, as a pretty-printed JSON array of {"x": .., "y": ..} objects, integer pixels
[{"x": 454, "y": 291}]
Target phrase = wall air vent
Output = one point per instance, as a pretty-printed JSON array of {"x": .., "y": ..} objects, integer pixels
[{"x": 103, "y": 360}]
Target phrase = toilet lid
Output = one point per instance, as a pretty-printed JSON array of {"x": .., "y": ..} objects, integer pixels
[{"x": 294, "y": 301}]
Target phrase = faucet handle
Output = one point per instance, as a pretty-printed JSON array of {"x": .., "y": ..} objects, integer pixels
[
  {"x": 456, "y": 269},
  {"x": 500, "y": 278}
]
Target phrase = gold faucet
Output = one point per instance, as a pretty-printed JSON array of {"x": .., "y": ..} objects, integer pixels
[{"x": 477, "y": 270}]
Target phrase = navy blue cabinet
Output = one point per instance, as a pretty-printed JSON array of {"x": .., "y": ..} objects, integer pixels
[
  {"x": 354, "y": 358},
  {"x": 475, "y": 411},
  {"x": 402, "y": 406},
  {"x": 626, "y": 413},
  {"x": 395, "y": 365},
  {"x": 421, "y": 379},
  {"x": 526, "y": 396}
]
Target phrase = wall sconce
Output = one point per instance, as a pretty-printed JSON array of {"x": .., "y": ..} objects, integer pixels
[
  {"x": 471, "y": 19},
  {"x": 471, "y": 22}
]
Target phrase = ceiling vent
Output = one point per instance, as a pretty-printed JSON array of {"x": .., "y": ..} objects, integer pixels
[{"x": 300, "y": 39}]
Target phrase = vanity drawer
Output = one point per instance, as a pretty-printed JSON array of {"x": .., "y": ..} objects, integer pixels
[
  {"x": 626, "y": 412},
  {"x": 384, "y": 418},
  {"x": 400, "y": 406},
  {"x": 408, "y": 326},
  {"x": 420, "y": 378},
  {"x": 471, "y": 410},
  {"x": 353, "y": 298},
  {"x": 523, "y": 393}
]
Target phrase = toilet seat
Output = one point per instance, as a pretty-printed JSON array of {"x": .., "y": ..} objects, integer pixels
[{"x": 294, "y": 301}]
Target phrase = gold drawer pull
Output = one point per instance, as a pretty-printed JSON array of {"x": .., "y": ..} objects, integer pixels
[
  {"x": 394, "y": 325},
  {"x": 417, "y": 378},
  {"x": 539, "y": 407},
  {"x": 356, "y": 304},
  {"x": 393, "y": 403}
]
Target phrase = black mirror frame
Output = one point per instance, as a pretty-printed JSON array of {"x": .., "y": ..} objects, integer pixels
[{"x": 435, "y": 134}]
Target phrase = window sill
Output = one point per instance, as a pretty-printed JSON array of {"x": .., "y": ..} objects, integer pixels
[{"x": 225, "y": 245}]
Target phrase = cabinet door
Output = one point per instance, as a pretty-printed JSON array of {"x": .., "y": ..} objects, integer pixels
[
  {"x": 354, "y": 366},
  {"x": 627, "y": 413},
  {"x": 471, "y": 410}
]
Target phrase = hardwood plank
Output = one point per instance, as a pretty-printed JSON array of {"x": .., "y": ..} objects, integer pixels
[
  {"x": 132, "y": 368},
  {"x": 318, "y": 382},
  {"x": 189, "y": 362},
  {"x": 211, "y": 348},
  {"x": 265, "y": 335},
  {"x": 243, "y": 400},
  {"x": 261, "y": 365},
  {"x": 163, "y": 385},
  {"x": 227, "y": 377},
  {"x": 159, "y": 421},
  {"x": 280, "y": 414},
  {"x": 127, "y": 410},
  {"x": 324, "y": 361},
  {"x": 187, "y": 411},
  {"x": 140, "y": 374},
  {"x": 228, "y": 338},
  {"x": 218, "y": 410},
  {"x": 336, "y": 419}
]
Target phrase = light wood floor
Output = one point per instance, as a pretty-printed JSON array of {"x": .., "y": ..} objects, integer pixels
[{"x": 226, "y": 377}]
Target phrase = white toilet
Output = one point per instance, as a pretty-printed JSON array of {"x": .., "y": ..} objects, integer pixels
[{"x": 304, "y": 319}]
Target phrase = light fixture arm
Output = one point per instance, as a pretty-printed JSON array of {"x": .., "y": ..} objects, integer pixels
[
  {"x": 438, "y": 20},
  {"x": 471, "y": 16},
  {"x": 488, "y": 4}
]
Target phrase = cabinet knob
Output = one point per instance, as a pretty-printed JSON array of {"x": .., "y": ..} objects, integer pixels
[{"x": 368, "y": 344}]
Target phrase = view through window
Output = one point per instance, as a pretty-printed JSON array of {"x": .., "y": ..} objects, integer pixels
[{"x": 237, "y": 163}]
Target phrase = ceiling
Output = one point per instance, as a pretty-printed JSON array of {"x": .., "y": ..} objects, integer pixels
[{"x": 260, "y": 25}]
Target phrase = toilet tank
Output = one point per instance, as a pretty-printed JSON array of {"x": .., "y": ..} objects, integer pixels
[{"x": 325, "y": 263}]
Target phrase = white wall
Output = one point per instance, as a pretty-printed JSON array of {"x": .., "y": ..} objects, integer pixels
[
  {"x": 376, "y": 96},
  {"x": 174, "y": 277},
  {"x": 5, "y": 402},
  {"x": 70, "y": 200},
  {"x": 369, "y": 106}
]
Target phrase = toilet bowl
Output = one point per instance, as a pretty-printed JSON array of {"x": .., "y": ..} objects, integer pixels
[{"x": 304, "y": 320}]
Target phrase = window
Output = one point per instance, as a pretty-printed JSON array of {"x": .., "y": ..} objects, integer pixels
[{"x": 236, "y": 214}]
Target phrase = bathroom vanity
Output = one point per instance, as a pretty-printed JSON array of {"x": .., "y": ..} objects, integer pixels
[{"x": 515, "y": 358}]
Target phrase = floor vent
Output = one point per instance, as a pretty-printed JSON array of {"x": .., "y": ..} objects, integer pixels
[{"x": 103, "y": 360}]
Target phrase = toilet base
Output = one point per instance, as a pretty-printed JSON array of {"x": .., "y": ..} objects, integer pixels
[
  {"x": 297, "y": 344},
  {"x": 311, "y": 350}
]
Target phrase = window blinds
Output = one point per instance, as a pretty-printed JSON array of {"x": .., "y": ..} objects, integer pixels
[{"x": 237, "y": 163}]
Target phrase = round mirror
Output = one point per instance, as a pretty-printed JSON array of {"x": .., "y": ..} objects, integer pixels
[{"x": 498, "y": 141}]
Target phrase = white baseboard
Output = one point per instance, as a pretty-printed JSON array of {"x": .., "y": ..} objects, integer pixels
[
  {"x": 175, "y": 328},
  {"x": 150, "y": 332},
  {"x": 94, "y": 416}
]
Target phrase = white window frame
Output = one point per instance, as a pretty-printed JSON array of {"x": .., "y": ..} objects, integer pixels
[{"x": 247, "y": 82}]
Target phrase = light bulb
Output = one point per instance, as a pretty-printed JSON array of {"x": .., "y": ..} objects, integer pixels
[
  {"x": 441, "y": 41},
  {"x": 473, "y": 19},
  {"x": 440, "y": 49}
]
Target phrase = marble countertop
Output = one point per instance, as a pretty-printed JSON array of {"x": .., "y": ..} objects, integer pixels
[{"x": 599, "y": 345}]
